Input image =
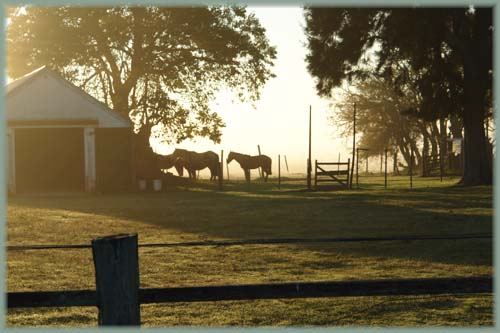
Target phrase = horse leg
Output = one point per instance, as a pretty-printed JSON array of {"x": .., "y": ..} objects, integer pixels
[{"x": 213, "y": 175}]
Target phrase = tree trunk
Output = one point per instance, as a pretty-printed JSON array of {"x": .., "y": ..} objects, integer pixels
[
  {"x": 404, "y": 150},
  {"x": 434, "y": 140},
  {"x": 395, "y": 169},
  {"x": 147, "y": 162},
  {"x": 143, "y": 148},
  {"x": 477, "y": 64},
  {"x": 456, "y": 126},
  {"x": 416, "y": 153},
  {"x": 477, "y": 161}
]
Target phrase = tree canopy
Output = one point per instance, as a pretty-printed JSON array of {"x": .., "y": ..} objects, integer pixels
[
  {"x": 378, "y": 116},
  {"x": 444, "y": 54},
  {"x": 161, "y": 66}
]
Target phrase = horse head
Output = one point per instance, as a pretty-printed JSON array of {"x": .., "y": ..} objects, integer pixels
[
  {"x": 179, "y": 152},
  {"x": 180, "y": 164},
  {"x": 230, "y": 157}
]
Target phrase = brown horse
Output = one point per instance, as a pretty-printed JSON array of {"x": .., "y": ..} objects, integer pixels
[
  {"x": 248, "y": 162},
  {"x": 168, "y": 161},
  {"x": 194, "y": 161}
]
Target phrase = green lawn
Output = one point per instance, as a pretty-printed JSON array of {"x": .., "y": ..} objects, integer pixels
[{"x": 264, "y": 211}]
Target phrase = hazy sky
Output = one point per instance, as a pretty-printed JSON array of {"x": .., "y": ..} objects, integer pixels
[{"x": 279, "y": 123}]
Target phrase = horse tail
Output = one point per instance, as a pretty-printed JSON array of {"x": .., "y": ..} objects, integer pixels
[
  {"x": 269, "y": 162},
  {"x": 216, "y": 164}
]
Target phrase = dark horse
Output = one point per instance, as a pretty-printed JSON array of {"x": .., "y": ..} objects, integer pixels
[
  {"x": 168, "y": 161},
  {"x": 248, "y": 162},
  {"x": 194, "y": 161}
]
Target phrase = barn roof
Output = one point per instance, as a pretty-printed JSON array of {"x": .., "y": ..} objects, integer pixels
[{"x": 45, "y": 98}]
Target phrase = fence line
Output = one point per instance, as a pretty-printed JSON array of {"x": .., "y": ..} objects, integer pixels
[
  {"x": 118, "y": 296},
  {"x": 387, "y": 287},
  {"x": 269, "y": 241}
]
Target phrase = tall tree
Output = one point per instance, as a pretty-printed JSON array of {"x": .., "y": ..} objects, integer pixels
[
  {"x": 379, "y": 115},
  {"x": 161, "y": 66},
  {"x": 450, "y": 49}
]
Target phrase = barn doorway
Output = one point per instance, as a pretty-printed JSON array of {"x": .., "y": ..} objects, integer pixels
[{"x": 50, "y": 159}]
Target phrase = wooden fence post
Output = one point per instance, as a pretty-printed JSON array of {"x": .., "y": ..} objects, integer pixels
[
  {"x": 117, "y": 280},
  {"x": 338, "y": 165},
  {"x": 385, "y": 169},
  {"x": 357, "y": 167},
  {"x": 381, "y": 158},
  {"x": 348, "y": 172},
  {"x": 424, "y": 157},
  {"x": 221, "y": 169},
  {"x": 279, "y": 171},
  {"x": 411, "y": 167},
  {"x": 353, "y": 146},
  {"x": 315, "y": 173}
]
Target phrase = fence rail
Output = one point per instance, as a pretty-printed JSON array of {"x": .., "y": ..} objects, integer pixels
[
  {"x": 268, "y": 241},
  {"x": 118, "y": 296},
  {"x": 388, "y": 287}
]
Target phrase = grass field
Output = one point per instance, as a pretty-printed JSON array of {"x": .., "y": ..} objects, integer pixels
[{"x": 263, "y": 211}]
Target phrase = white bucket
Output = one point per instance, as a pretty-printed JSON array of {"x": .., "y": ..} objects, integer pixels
[
  {"x": 142, "y": 185},
  {"x": 157, "y": 185}
]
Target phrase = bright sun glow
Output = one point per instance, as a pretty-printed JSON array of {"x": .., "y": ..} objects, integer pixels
[{"x": 279, "y": 123}]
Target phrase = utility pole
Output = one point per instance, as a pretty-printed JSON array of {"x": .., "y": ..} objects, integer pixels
[
  {"x": 260, "y": 168},
  {"x": 309, "y": 167},
  {"x": 353, "y": 145},
  {"x": 357, "y": 166}
]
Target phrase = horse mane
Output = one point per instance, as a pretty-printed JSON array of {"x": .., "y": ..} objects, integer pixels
[{"x": 239, "y": 154}]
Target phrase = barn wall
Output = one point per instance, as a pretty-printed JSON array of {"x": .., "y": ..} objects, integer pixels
[
  {"x": 49, "y": 159},
  {"x": 48, "y": 97},
  {"x": 114, "y": 159}
]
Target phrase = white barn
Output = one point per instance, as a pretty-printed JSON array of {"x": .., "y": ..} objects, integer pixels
[{"x": 62, "y": 139}]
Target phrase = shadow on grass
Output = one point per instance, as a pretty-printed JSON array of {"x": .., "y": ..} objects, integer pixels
[{"x": 261, "y": 210}]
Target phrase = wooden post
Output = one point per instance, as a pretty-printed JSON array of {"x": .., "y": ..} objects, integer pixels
[
  {"x": 366, "y": 164},
  {"x": 279, "y": 171},
  {"x": 381, "y": 158},
  {"x": 353, "y": 144},
  {"x": 260, "y": 168},
  {"x": 357, "y": 167},
  {"x": 117, "y": 280},
  {"x": 227, "y": 169},
  {"x": 411, "y": 166},
  {"x": 425, "y": 150},
  {"x": 348, "y": 173},
  {"x": 315, "y": 173},
  {"x": 385, "y": 169},
  {"x": 221, "y": 169},
  {"x": 338, "y": 165},
  {"x": 442, "y": 148},
  {"x": 441, "y": 162},
  {"x": 286, "y": 163},
  {"x": 309, "y": 167},
  {"x": 395, "y": 170}
]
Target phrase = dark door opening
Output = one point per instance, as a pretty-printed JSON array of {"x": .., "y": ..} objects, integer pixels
[{"x": 49, "y": 159}]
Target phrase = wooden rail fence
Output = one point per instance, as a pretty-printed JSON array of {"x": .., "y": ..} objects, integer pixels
[{"x": 118, "y": 296}]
